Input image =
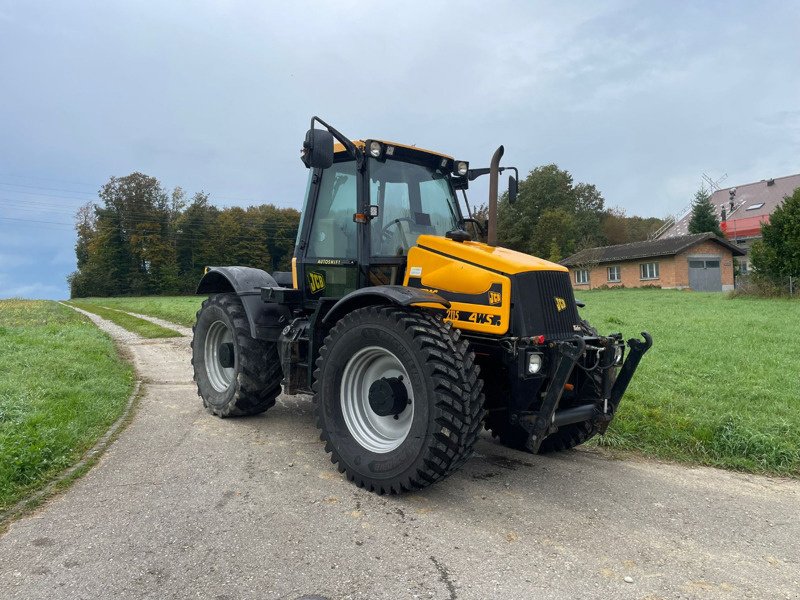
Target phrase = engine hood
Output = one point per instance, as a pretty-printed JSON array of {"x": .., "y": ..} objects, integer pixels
[{"x": 496, "y": 258}]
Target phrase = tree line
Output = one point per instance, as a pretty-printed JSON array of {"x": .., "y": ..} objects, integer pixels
[
  {"x": 554, "y": 217},
  {"x": 142, "y": 240}
]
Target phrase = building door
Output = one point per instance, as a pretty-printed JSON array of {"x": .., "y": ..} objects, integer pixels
[{"x": 705, "y": 275}]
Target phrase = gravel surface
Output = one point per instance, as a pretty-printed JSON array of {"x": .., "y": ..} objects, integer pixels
[
  {"x": 118, "y": 333},
  {"x": 184, "y": 331},
  {"x": 186, "y": 505}
]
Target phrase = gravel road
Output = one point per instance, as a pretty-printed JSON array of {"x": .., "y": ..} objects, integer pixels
[{"x": 186, "y": 505}]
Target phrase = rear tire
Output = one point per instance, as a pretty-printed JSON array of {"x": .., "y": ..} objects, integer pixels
[
  {"x": 246, "y": 378},
  {"x": 425, "y": 374}
]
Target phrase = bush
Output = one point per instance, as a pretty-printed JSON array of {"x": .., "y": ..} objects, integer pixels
[{"x": 760, "y": 285}]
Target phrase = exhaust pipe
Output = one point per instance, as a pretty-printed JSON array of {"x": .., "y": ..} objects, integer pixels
[{"x": 494, "y": 175}]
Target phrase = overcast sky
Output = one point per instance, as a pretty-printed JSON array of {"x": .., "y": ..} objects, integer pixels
[{"x": 639, "y": 98}]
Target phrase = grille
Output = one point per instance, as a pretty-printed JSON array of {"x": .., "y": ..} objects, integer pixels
[{"x": 536, "y": 304}]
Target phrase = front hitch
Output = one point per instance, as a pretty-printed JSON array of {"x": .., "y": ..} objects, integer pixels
[
  {"x": 538, "y": 425},
  {"x": 637, "y": 350}
]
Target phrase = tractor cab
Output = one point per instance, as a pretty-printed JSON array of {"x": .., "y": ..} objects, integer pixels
[{"x": 365, "y": 211}]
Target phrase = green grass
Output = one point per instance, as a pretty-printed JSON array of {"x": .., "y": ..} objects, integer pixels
[
  {"x": 175, "y": 309},
  {"x": 139, "y": 326},
  {"x": 719, "y": 387},
  {"x": 62, "y": 386}
]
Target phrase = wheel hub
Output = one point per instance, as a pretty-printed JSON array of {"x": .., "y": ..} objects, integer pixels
[
  {"x": 219, "y": 356},
  {"x": 226, "y": 355},
  {"x": 377, "y": 399},
  {"x": 388, "y": 396}
]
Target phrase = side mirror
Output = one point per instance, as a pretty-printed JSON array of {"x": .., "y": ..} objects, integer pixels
[
  {"x": 512, "y": 189},
  {"x": 318, "y": 149}
]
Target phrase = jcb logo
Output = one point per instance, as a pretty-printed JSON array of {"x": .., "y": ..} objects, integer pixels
[
  {"x": 561, "y": 304},
  {"x": 495, "y": 298},
  {"x": 316, "y": 281}
]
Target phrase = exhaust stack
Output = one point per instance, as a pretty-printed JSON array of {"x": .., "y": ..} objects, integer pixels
[{"x": 494, "y": 174}]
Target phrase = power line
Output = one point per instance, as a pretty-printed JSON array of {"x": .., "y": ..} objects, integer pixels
[
  {"x": 37, "y": 187},
  {"x": 218, "y": 197},
  {"x": 139, "y": 216},
  {"x": 175, "y": 236}
]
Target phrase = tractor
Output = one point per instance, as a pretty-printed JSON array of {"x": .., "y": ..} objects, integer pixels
[{"x": 411, "y": 335}]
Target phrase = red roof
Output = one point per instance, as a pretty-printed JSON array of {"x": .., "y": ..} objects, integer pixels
[{"x": 752, "y": 205}]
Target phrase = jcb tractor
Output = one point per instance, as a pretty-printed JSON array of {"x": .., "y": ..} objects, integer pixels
[{"x": 410, "y": 335}]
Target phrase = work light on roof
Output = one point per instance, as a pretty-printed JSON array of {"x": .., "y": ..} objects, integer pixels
[
  {"x": 462, "y": 167},
  {"x": 375, "y": 149}
]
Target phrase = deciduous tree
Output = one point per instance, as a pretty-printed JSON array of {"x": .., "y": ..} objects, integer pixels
[{"x": 777, "y": 254}]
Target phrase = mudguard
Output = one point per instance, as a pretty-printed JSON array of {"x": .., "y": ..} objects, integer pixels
[
  {"x": 399, "y": 295},
  {"x": 266, "y": 319}
]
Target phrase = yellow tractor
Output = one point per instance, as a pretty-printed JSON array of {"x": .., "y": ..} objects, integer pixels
[{"x": 410, "y": 335}]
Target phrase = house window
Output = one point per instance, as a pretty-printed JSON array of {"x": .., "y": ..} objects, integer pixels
[
  {"x": 582, "y": 276},
  {"x": 755, "y": 206},
  {"x": 649, "y": 270},
  {"x": 613, "y": 274}
]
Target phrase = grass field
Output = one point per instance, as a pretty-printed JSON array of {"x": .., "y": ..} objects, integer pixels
[
  {"x": 720, "y": 386},
  {"x": 61, "y": 386},
  {"x": 139, "y": 326}
]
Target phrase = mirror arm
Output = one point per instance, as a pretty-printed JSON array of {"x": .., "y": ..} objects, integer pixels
[
  {"x": 348, "y": 145},
  {"x": 473, "y": 174}
]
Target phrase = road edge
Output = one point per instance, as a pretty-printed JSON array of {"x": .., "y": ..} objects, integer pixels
[{"x": 65, "y": 478}]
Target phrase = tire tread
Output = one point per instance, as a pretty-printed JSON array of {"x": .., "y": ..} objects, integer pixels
[{"x": 259, "y": 382}]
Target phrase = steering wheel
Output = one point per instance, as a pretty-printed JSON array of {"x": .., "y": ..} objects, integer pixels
[{"x": 385, "y": 230}]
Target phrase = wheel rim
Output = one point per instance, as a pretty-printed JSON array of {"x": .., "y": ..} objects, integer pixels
[
  {"x": 379, "y": 434},
  {"x": 219, "y": 376}
]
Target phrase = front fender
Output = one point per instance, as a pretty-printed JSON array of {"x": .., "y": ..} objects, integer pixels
[{"x": 399, "y": 295}]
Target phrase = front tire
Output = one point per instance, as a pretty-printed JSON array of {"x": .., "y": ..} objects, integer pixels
[
  {"x": 514, "y": 436},
  {"x": 236, "y": 375},
  {"x": 397, "y": 398}
]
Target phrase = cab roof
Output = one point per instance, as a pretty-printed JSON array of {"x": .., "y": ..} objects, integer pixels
[{"x": 361, "y": 144}]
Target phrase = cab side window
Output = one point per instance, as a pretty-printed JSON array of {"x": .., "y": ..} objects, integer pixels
[{"x": 333, "y": 232}]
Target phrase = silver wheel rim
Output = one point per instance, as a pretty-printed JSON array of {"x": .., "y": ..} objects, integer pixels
[
  {"x": 220, "y": 377},
  {"x": 372, "y": 431}
]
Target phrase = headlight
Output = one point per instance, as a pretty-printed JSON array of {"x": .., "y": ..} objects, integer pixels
[
  {"x": 375, "y": 149},
  {"x": 534, "y": 363},
  {"x": 462, "y": 167},
  {"x": 618, "y": 352}
]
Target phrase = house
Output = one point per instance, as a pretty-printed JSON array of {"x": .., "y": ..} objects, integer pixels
[
  {"x": 702, "y": 262},
  {"x": 741, "y": 210}
]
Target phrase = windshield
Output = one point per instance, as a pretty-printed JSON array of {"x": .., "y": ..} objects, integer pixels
[{"x": 412, "y": 200}]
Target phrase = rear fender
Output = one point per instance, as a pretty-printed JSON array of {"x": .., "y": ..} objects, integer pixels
[{"x": 266, "y": 319}]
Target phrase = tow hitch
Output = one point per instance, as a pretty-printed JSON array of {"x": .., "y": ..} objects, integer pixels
[{"x": 548, "y": 418}]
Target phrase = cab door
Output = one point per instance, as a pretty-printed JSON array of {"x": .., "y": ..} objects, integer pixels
[{"x": 328, "y": 240}]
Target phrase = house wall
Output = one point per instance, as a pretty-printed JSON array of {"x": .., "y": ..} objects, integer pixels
[
  {"x": 706, "y": 249},
  {"x": 629, "y": 274},
  {"x": 673, "y": 270}
]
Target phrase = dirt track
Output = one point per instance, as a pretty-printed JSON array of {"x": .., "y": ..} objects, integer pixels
[{"x": 185, "y": 505}]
